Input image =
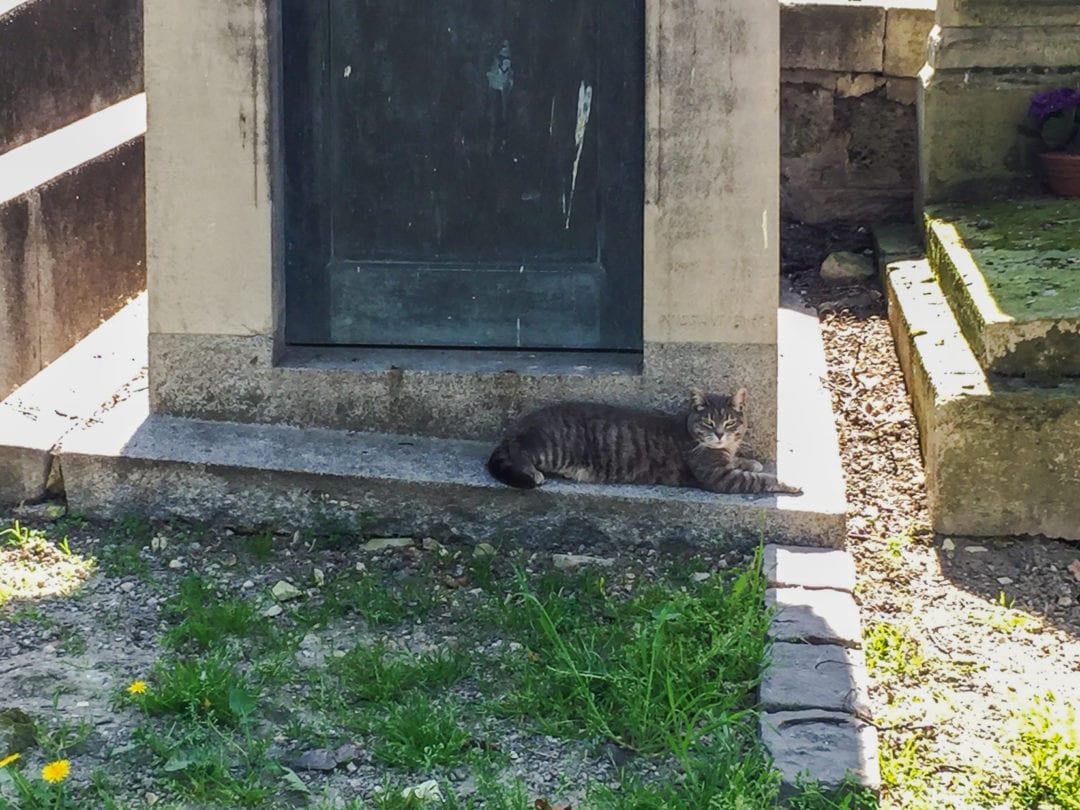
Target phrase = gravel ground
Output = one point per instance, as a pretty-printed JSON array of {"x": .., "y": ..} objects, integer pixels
[{"x": 998, "y": 619}]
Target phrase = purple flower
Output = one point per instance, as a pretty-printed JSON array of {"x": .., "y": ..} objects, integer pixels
[{"x": 1053, "y": 101}]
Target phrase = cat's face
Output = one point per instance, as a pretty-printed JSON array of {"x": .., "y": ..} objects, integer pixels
[{"x": 716, "y": 421}]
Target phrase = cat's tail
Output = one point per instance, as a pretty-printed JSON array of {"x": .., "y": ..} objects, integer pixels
[{"x": 508, "y": 464}]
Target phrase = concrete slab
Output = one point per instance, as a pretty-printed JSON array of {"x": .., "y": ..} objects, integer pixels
[
  {"x": 1011, "y": 270},
  {"x": 825, "y": 745},
  {"x": 75, "y": 389},
  {"x": 253, "y": 475},
  {"x": 998, "y": 452},
  {"x": 815, "y": 676},
  {"x": 814, "y": 616},
  {"x": 786, "y": 567}
]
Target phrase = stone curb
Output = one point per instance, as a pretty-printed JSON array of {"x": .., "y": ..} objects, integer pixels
[{"x": 815, "y": 718}]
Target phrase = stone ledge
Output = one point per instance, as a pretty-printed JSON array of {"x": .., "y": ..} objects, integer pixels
[
  {"x": 832, "y": 37},
  {"x": 826, "y": 746},
  {"x": 787, "y": 567},
  {"x": 814, "y": 616},
  {"x": 1018, "y": 47},
  {"x": 66, "y": 395},
  {"x": 247, "y": 475},
  {"x": 815, "y": 676},
  {"x": 965, "y": 13},
  {"x": 996, "y": 451},
  {"x": 1007, "y": 270}
]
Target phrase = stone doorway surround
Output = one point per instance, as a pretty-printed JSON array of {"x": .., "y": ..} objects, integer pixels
[{"x": 214, "y": 239}]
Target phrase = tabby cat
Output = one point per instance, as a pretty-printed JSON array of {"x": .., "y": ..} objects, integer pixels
[{"x": 609, "y": 444}]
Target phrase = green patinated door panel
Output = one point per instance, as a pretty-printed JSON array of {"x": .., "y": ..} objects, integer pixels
[{"x": 464, "y": 172}]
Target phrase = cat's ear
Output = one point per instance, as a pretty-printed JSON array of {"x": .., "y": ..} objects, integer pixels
[
  {"x": 738, "y": 400},
  {"x": 697, "y": 399}
]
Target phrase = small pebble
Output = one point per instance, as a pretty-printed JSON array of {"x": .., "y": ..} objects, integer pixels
[
  {"x": 175, "y": 564},
  {"x": 247, "y": 583},
  {"x": 127, "y": 587},
  {"x": 948, "y": 545},
  {"x": 1005, "y": 580},
  {"x": 975, "y": 549}
]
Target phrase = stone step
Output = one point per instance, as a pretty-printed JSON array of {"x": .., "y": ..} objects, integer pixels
[
  {"x": 998, "y": 451},
  {"x": 127, "y": 460},
  {"x": 72, "y": 236},
  {"x": 64, "y": 60},
  {"x": 87, "y": 380},
  {"x": 250, "y": 475},
  {"x": 1011, "y": 271}
]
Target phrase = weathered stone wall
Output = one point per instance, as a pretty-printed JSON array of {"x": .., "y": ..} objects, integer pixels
[
  {"x": 986, "y": 59},
  {"x": 72, "y": 243},
  {"x": 62, "y": 60},
  {"x": 847, "y": 108}
]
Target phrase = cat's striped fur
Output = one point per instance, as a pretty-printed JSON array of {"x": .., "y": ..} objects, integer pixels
[{"x": 597, "y": 443}]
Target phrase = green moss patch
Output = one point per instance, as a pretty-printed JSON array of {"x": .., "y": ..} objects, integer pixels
[{"x": 1028, "y": 252}]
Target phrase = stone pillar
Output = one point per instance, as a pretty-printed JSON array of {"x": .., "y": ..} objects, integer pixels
[
  {"x": 986, "y": 59},
  {"x": 712, "y": 175}
]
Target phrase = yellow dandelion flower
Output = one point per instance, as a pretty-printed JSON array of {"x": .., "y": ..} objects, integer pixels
[
  {"x": 56, "y": 771},
  {"x": 206, "y": 703},
  {"x": 137, "y": 688},
  {"x": 9, "y": 759}
]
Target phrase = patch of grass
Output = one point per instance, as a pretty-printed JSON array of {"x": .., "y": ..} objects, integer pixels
[
  {"x": 60, "y": 737},
  {"x": 210, "y": 687},
  {"x": 420, "y": 734},
  {"x": 730, "y": 771},
  {"x": 260, "y": 546},
  {"x": 906, "y": 766},
  {"x": 204, "y": 617},
  {"x": 1045, "y": 748},
  {"x": 849, "y": 796},
  {"x": 212, "y": 766},
  {"x": 370, "y": 672},
  {"x": 380, "y": 602},
  {"x": 891, "y": 649},
  {"x": 32, "y": 614},
  {"x": 655, "y": 672}
]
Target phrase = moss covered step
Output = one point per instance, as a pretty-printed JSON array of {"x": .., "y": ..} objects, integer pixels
[
  {"x": 1011, "y": 271},
  {"x": 998, "y": 451}
]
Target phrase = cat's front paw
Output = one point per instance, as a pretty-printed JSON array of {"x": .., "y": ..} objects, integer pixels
[{"x": 787, "y": 489}]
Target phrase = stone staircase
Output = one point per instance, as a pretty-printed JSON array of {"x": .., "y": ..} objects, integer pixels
[
  {"x": 72, "y": 118},
  {"x": 987, "y": 328}
]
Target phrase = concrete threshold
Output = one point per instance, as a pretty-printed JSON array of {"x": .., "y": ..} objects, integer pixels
[
  {"x": 76, "y": 389},
  {"x": 252, "y": 475}
]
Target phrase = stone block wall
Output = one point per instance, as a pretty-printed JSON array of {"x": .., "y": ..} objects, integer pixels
[
  {"x": 847, "y": 108},
  {"x": 72, "y": 242}
]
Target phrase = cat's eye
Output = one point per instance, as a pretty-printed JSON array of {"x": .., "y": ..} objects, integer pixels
[
  {"x": 730, "y": 424},
  {"x": 709, "y": 424}
]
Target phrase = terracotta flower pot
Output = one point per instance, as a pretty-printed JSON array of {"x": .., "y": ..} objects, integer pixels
[{"x": 1062, "y": 172}]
